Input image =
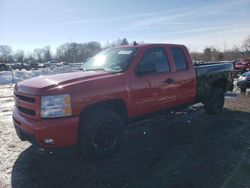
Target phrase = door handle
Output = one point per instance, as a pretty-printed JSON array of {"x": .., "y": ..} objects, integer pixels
[{"x": 169, "y": 81}]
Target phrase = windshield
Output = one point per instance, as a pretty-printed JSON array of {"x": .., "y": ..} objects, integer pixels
[
  {"x": 112, "y": 60},
  {"x": 246, "y": 74}
]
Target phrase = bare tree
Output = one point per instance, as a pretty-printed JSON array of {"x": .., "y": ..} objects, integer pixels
[
  {"x": 219, "y": 56},
  {"x": 47, "y": 53},
  {"x": 246, "y": 44},
  {"x": 29, "y": 58},
  {"x": 207, "y": 54},
  {"x": 5, "y": 53},
  {"x": 212, "y": 54},
  {"x": 19, "y": 56},
  {"x": 118, "y": 42},
  {"x": 196, "y": 56},
  {"x": 77, "y": 52},
  {"x": 38, "y": 54},
  {"x": 232, "y": 54},
  {"x": 124, "y": 42}
]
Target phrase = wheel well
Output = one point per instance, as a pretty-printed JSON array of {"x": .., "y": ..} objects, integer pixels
[
  {"x": 117, "y": 105},
  {"x": 220, "y": 83}
]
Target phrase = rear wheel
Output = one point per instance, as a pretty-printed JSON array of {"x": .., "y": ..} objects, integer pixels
[
  {"x": 100, "y": 134},
  {"x": 215, "y": 101},
  {"x": 243, "y": 89}
]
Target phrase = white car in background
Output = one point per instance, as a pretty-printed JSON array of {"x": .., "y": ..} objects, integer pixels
[{"x": 54, "y": 63}]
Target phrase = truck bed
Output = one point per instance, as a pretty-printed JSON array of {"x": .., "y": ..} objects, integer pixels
[{"x": 212, "y": 74}]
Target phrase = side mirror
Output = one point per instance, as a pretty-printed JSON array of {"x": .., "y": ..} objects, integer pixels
[{"x": 146, "y": 68}]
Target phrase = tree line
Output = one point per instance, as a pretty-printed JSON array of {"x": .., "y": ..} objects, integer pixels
[
  {"x": 235, "y": 53},
  {"x": 70, "y": 52},
  {"x": 73, "y": 52}
]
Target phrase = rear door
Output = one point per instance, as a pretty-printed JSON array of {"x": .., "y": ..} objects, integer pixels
[{"x": 184, "y": 75}]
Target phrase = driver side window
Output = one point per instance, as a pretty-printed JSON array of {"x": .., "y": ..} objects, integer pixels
[{"x": 158, "y": 57}]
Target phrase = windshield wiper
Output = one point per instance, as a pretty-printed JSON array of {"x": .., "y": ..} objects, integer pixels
[{"x": 102, "y": 69}]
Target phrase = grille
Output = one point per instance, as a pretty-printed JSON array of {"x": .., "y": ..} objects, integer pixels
[
  {"x": 26, "y": 104},
  {"x": 16, "y": 122},
  {"x": 26, "y": 99},
  {"x": 27, "y": 111}
]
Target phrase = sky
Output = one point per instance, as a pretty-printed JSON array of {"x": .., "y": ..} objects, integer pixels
[{"x": 29, "y": 24}]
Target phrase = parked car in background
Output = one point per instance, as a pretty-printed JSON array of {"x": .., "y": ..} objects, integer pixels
[
  {"x": 16, "y": 66},
  {"x": 42, "y": 65},
  {"x": 34, "y": 65},
  {"x": 60, "y": 63},
  {"x": 243, "y": 65},
  {"x": 26, "y": 66},
  {"x": 244, "y": 81},
  {"x": 239, "y": 66},
  {"x": 54, "y": 63},
  {"x": 20, "y": 66},
  {"x": 246, "y": 62},
  {"x": 198, "y": 62},
  {"x": 64, "y": 63},
  {"x": 4, "y": 67}
]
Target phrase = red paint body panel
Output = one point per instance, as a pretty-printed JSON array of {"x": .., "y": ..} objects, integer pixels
[
  {"x": 63, "y": 130},
  {"x": 142, "y": 95}
]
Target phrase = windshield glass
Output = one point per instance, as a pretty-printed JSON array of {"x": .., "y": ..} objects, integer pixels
[
  {"x": 247, "y": 74},
  {"x": 111, "y": 60},
  {"x": 244, "y": 74}
]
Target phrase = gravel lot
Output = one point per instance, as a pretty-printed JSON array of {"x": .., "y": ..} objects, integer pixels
[{"x": 178, "y": 149}]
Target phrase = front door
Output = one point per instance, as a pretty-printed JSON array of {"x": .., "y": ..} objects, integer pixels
[{"x": 156, "y": 90}]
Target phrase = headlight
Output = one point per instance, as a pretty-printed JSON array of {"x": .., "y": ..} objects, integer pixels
[
  {"x": 242, "y": 78},
  {"x": 56, "y": 106}
]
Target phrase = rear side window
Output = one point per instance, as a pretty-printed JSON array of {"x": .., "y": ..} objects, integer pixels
[
  {"x": 179, "y": 58},
  {"x": 158, "y": 57}
]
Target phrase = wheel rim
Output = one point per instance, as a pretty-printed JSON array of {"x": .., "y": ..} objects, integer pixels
[{"x": 106, "y": 135}]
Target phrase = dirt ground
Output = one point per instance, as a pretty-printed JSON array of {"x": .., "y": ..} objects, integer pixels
[{"x": 173, "y": 150}]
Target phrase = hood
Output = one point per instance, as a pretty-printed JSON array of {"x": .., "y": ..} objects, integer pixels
[{"x": 42, "y": 84}]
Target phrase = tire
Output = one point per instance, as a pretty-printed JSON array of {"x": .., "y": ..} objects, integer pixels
[
  {"x": 243, "y": 89},
  {"x": 100, "y": 134},
  {"x": 215, "y": 101}
]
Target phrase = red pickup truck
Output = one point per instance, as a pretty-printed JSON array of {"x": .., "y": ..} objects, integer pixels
[
  {"x": 88, "y": 109},
  {"x": 243, "y": 65}
]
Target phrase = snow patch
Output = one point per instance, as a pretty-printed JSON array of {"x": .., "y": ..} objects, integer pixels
[{"x": 19, "y": 75}]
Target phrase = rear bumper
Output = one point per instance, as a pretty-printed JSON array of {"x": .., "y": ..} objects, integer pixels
[{"x": 63, "y": 131}]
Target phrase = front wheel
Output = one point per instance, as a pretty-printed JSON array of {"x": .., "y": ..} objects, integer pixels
[
  {"x": 100, "y": 134},
  {"x": 215, "y": 101}
]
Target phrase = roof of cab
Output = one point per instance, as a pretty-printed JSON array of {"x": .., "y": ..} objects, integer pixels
[{"x": 148, "y": 45}]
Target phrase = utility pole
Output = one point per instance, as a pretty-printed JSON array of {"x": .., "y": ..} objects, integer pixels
[{"x": 225, "y": 46}]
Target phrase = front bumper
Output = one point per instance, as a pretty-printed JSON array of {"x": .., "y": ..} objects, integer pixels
[
  {"x": 244, "y": 83},
  {"x": 63, "y": 131}
]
